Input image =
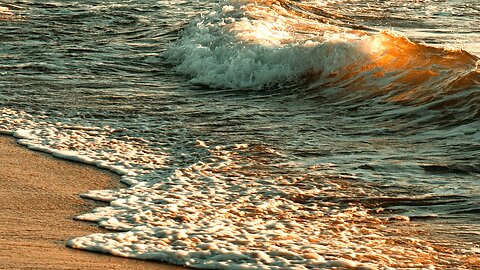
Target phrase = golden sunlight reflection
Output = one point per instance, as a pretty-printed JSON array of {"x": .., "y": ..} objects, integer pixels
[
  {"x": 384, "y": 59},
  {"x": 270, "y": 23},
  {"x": 375, "y": 45},
  {"x": 6, "y": 14}
]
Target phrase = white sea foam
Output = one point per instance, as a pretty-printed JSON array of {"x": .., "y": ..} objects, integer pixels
[
  {"x": 216, "y": 214},
  {"x": 262, "y": 44},
  {"x": 221, "y": 212},
  {"x": 247, "y": 45}
]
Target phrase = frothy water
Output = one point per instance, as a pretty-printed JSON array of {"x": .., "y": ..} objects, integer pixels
[{"x": 259, "y": 134}]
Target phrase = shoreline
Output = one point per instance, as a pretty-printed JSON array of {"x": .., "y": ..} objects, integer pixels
[{"x": 39, "y": 196}]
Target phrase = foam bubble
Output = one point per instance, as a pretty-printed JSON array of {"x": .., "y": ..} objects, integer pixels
[{"x": 216, "y": 213}]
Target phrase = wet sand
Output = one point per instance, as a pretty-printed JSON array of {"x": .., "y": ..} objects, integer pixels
[{"x": 38, "y": 200}]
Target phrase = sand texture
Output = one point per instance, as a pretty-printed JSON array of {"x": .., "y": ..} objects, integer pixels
[{"x": 38, "y": 200}]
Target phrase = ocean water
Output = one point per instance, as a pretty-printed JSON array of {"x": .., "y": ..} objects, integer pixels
[{"x": 259, "y": 134}]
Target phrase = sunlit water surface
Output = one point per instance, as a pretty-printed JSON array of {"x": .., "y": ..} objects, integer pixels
[{"x": 276, "y": 134}]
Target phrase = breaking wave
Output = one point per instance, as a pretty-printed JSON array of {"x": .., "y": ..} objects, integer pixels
[
  {"x": 238, "y": 183},
  {"x": 283, "y": 44}
]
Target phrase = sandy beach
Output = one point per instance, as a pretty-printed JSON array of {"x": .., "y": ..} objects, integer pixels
[{"x": 38, "y": 200}]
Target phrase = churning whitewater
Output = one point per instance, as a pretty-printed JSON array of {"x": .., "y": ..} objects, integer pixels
[{"x": 259, "y": 134}]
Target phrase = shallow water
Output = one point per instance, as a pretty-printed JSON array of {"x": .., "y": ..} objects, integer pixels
[{"x": 269, "y": 134}]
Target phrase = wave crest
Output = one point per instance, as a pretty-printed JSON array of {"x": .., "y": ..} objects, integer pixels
[{"x": 260, "y": 44}]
